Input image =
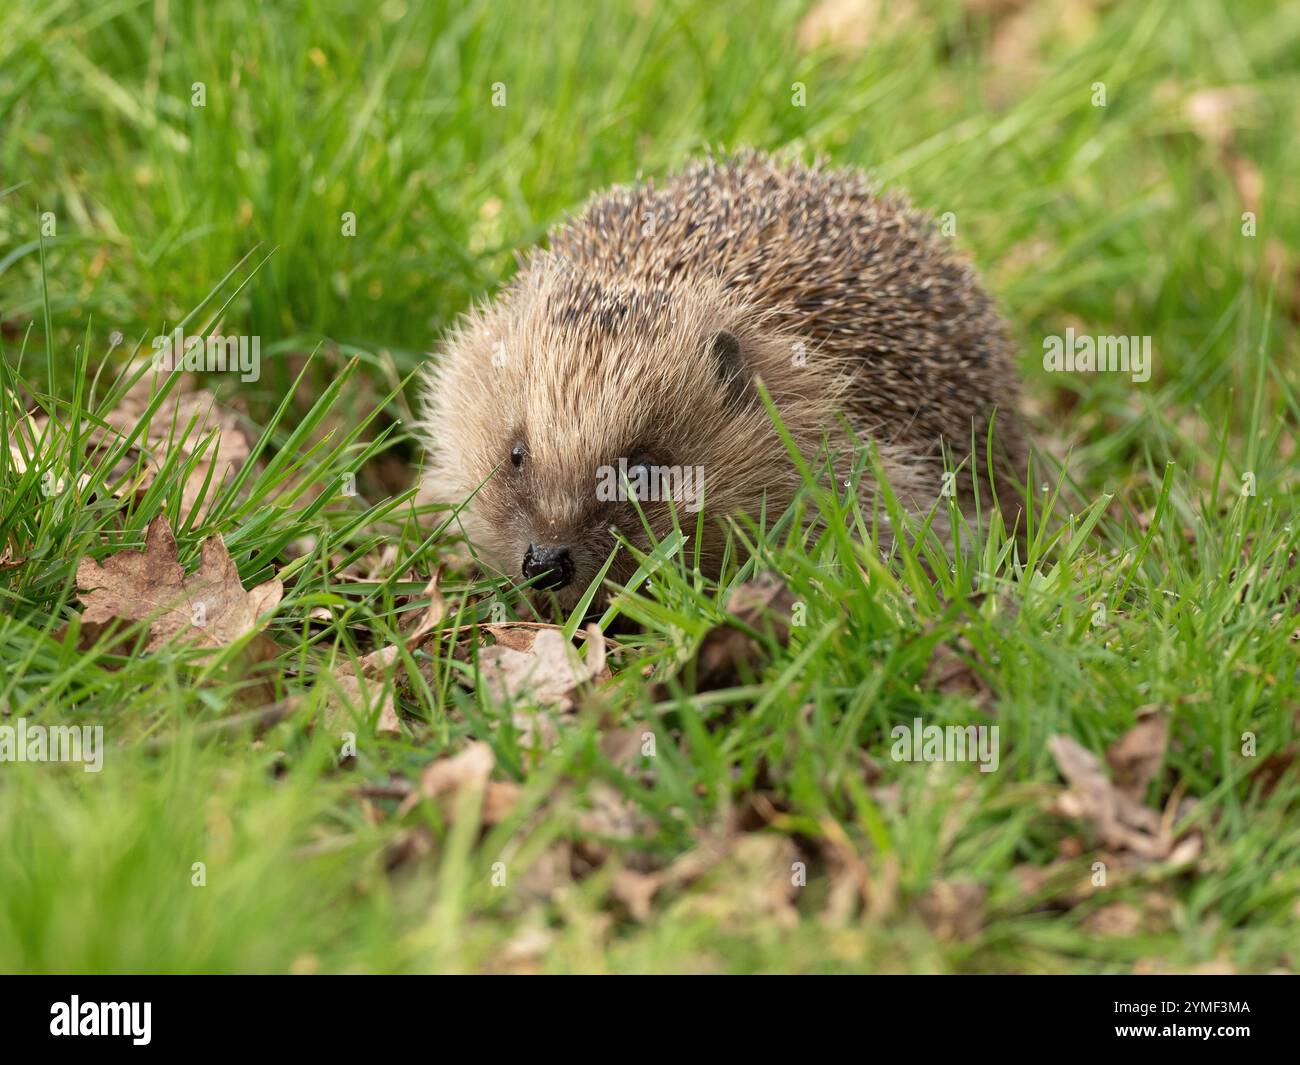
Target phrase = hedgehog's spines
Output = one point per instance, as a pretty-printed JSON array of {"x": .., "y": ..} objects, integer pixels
[{"x": 841, "y": 298}]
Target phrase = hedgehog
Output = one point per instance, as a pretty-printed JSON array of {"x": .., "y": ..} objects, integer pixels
[{"x": 612, "y": 387}]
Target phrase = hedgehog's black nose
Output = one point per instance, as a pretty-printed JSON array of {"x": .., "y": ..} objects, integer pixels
[{"x": 553, "y": 564}]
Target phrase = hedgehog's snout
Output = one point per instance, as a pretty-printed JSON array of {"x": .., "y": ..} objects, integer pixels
[{"x": 553, "y": 566}]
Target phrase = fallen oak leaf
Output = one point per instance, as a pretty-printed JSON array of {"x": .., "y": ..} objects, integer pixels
[
  {"x": 205, "y": 434},
  {"x": 25, "y": 444},
  {"x": 184, "y": 419},
  {"x": 217, "y": 593},
  {"x": 950, "y": 672},
  {"x": 547, "y": 676},
  {"x": 755, "y": 885},
  {"x": 210, "y": 608},
  {"x": 729, "y": 651},
  {"x": 469, "y": 769},
  {"x": 513, "y": 636},
  {"x": 636, "y": 889},
  {"x": 1216, "y": 113},
  {"x": 389, "y": 724},
  {"x": 1120, "y": 821},
  {"x": 549, "y": 672},
  {"x": 1115, "y": 919},
  {"x": 1135, "y": 757},
  {"x": 432, "y": 615},
  {"x": 953, "y": 909},
  {"x": 373, "y": 664},
  {"x": 446, "y": 779},
  {"x": 346, "y": 689}
]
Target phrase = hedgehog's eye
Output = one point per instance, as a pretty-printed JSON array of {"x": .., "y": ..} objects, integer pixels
[
  {"x": 639, "y": 466},
  {"x": 517, "y": 455},
  {"x": 640, "y": 475}
]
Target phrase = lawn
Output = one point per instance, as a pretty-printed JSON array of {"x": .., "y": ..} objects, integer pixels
[{"x": 347, "y": 769}]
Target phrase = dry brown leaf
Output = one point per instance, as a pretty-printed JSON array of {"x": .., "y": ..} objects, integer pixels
[
  {"x": 849, "y": 883},
  {"x": 549, "y": 673},
  {"x": 209, "y": 608},
  {"x": 636, "y": 891},
  {"x": 951, "y": 673},
  {"x": 764, "y": 604},
  {"x": 1246, "y": 180},
  {"x": 597, "y": 670},
  {"x": 741, "y": 870},
  {"x": 24, "y": 441},
  {"x": 953, "y": 909},
  {"x": 446, "y": 780},
  {"x": 1120, "y": 821},
  {"x": 525, "y": 951},
  {"x": 1115, "y": 919},
  {"x": 751, "y": 884},
  {"x": 1135, "y": 757},
  {"x": 499, "y": 800},
  {"x": 993, "y": 8},
  {"x": 517, "y": 637},
  {"x": 374, "y": 664},
  {"x": 468, "y": 769},
  {"x": 432, "y": 615},
  {"x": 723, "y": 657},
  {"x": 166, "y": 431},
  {"x": 549, "y": 875},
  {"x": 408, "y": 847},
  {"x": 351, "y": 688},
  {"x": 1024, "y": 34},
  {"x": 1015, "y": 53},
  {"x": 844, "y": 25},
  {"x": 728, "y": 653},
  {"x": 389, "y": 724},
  {"x": 622, "y": 746},
  {"x": 1163, "y": 967},
  {"x": 1272, "y": 770},
  {"x": 612, "y": 814},
  {"x": 1214, "y": 113}
]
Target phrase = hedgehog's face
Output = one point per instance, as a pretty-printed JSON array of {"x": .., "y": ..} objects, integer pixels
[
  {"x": 597, "y": 453},
  {"x": 588, "y": 427}
]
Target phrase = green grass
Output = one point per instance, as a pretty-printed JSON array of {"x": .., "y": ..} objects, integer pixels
[{"x": 1124, "y": 219}]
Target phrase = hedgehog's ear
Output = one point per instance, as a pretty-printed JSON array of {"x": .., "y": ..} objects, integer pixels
[{"x": 729, "y": 363}]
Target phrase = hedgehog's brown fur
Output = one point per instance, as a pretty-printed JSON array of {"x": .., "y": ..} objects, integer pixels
[{"x": 600, "y": 348}]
